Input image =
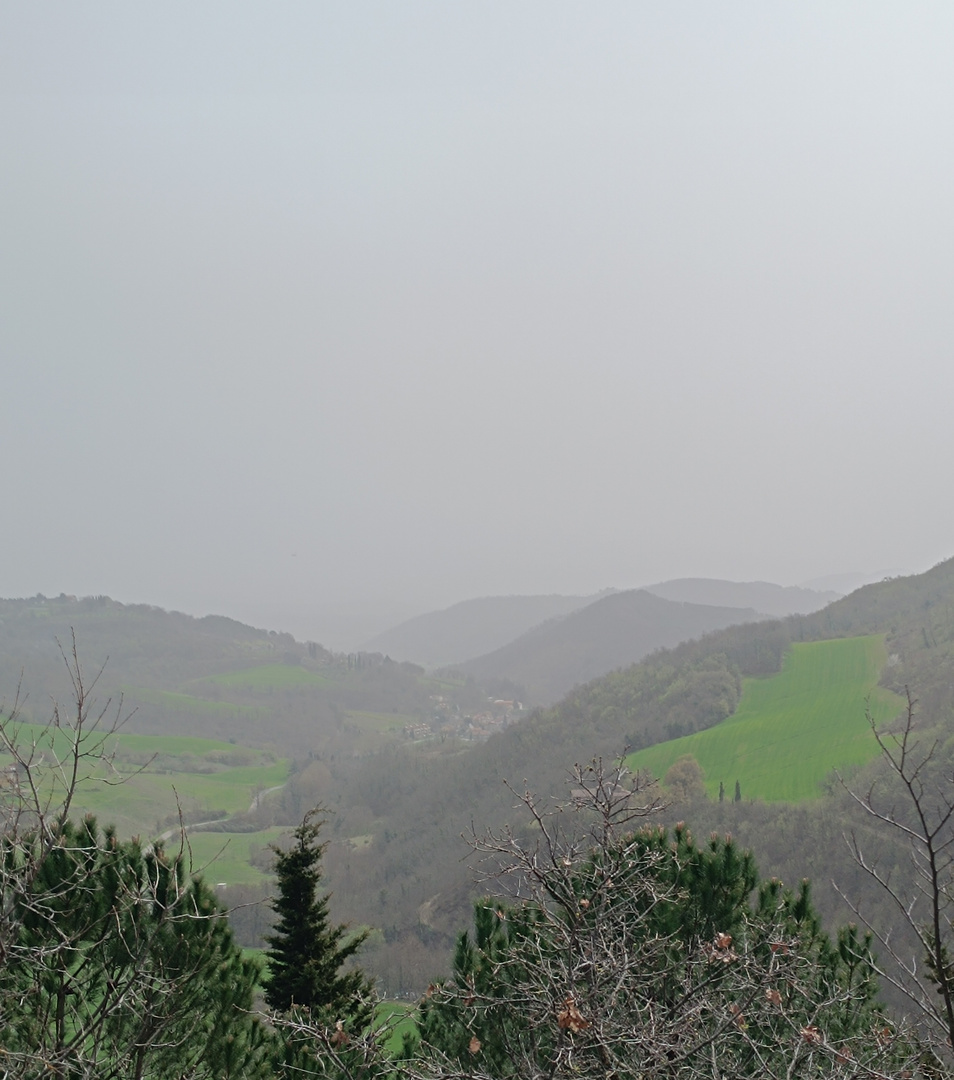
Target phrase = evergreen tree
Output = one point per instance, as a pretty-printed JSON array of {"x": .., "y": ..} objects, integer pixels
[
  {"x": 117, "y": 962},
  {"x": 306, "y": 952}
]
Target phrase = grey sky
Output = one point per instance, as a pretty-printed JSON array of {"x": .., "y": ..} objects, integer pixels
[{"x": 321, "y": 315}]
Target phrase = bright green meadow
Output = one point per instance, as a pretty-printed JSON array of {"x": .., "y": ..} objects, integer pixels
[
  {"x": 791, "y": 729},
  {"x": 187, "y": 702},
  {"x": 399, "y": 1017},
  {"x": 153, "y": 775},
  {"x": 226, "y": 857}
]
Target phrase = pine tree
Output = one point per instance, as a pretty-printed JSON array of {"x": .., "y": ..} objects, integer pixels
[
  {"x": 306, "y": 952},
  {"x": 120, "y": 963}
]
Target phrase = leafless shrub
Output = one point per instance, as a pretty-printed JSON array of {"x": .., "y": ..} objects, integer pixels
[
  {"x": 591, "y": 972},
  {"x": 915, "y": 802}
]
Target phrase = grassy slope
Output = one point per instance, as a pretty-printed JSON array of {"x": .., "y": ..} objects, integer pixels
[
  {"x": 791, "y": 729},
  {"x": 145, "y": 798},
  {"x": 269, "y": 677},
  {"x": 226, "y": 857},
  {"x": 187, "y": 702}
]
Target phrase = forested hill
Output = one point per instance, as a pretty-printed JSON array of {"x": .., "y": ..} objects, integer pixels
[
  {"x": 693, "y": 686},
  {"x": 772, "y": 600},
  {"x": 214, "y": 677},
  {"x": 140, "y": 644},
  {"x": 471, "y": 628},
  {"x": 401, "y": 805},
  {"x": 549, "y": 660}
]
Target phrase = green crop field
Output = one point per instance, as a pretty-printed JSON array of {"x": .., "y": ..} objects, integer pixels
[
  {"x": 148, "y": 798},
  {"x": 127, "y": 743},
  {"x": 269, "y": 677},
  {"x": 791, "y": 729},
  {"x": 207, "y": 778},
  {"x": 226, "y": 857},
  {"x": 186, "y": 702}
]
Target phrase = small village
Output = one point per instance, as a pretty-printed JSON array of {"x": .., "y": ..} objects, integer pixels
[{"x": 448, "y": 721}]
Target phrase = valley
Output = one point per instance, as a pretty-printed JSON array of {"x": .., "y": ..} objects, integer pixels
[{"x": 245, "y": 730}]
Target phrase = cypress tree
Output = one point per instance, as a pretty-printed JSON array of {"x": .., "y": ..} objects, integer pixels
[{"x": 306, "y": 952}]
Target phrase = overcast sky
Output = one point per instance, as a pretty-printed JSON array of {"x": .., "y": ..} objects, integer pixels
[{"x": 321, "y": 315}]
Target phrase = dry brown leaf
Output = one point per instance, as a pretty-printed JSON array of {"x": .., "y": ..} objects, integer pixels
[{"x": 570, "y": 1018}]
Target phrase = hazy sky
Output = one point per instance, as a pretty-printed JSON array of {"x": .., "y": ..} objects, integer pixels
[{"x": 320, "y": 315}]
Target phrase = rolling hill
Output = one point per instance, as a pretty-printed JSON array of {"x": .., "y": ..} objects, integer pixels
[
  {"x": 776, "y": 601},
  {"x": 474, "y": 628},
  {"x": 549, "y": 660},
  {"x": 401, "y": 807},
  {"x": 173, "y": 674},
  {"x": 668, "y": 695},
  {"x": 470, "y": 628}
]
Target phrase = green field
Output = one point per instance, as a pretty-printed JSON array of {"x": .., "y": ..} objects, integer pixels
[
  {"x": 399, "y": 1017},
  {"x": 207, "y": 778},
  {"x": 186, "y": 702},
  {"x": 269, "y": 677},
  {"x": 225, "y": 857},
  {"x": 128, "y": 743},
  {"x": 791, "y": 729}
]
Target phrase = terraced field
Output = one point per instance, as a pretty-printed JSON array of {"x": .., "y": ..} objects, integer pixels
[{"x": 791, "y": 729}]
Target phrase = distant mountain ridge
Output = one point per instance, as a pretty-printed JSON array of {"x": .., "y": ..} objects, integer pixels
[
  {"x": 474, "y": 628},
  {"x": 549, "y": 660},
  {"x": 774, "y": 600}
]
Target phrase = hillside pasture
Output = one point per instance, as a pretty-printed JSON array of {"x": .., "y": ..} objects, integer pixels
[
  {"x": 266, "y": 677},
  {"x": 227, "y": 857},
  {"x": 399, "y": 1019},
  {"x": 152, "y": 777},
  {"x": 791, "y": 729},
  {"x": 185, "y": 702}
]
